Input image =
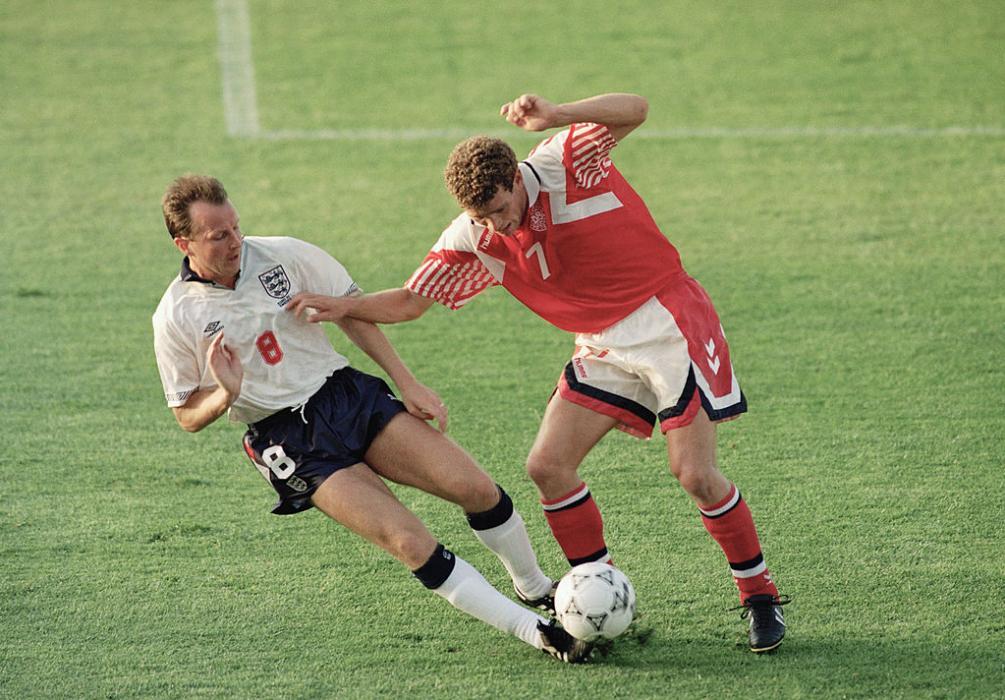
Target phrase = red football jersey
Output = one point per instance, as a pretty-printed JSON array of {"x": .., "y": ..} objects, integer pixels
[{"x": 586, "y": 255}]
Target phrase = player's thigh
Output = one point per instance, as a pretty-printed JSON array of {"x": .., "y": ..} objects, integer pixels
[
  {"x": 692, "y": 446},
  {"x": 411, "y": 452},
  {"x": 568, "y": 432},
  {"x": 357, "y": 498}
]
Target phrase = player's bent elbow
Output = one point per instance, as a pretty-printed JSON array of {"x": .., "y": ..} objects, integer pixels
[
  {"x": 190, "y": 427},
  {"x": 642, "y": 109},
  {"x": 186, "y": 422}
]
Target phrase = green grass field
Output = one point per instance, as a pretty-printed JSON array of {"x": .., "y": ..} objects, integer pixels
[{"x": 847, "y": 220}]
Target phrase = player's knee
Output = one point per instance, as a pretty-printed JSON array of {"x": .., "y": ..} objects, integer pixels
[
  {"x": 695, "y": 478},
  {"x": 462, "y": 482},
  {"x": 479, "y": 494},
  {"x": 470, "y": 487},
  {"x": 411, "y": 546},
  {"x": 541, "y": 467},
  {"x": 545, "y": 468}
]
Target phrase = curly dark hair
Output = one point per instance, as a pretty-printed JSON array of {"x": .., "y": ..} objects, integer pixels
[
  {"x": 182, "y": 194},
  {"x": 476, "y": 168}
]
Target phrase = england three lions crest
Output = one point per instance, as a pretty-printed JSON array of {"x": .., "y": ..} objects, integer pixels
[{"x": 276, "y": 283}]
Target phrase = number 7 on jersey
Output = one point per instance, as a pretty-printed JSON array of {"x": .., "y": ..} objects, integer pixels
[{"x": 538, "y": 250}]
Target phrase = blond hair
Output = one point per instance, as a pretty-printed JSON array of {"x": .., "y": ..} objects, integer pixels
[{"x": 182, "y": 194}]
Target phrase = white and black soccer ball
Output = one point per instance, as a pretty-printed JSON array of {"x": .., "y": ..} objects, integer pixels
[{"x": 595, "y": 601}]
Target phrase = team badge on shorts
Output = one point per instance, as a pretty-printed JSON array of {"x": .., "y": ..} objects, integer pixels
[
  {"x": 275, "y": 281},
  {"x": 297, "y": 484}
]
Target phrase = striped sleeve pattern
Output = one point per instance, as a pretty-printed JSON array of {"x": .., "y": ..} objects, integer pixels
[
  {"x": 589, "y": 153},
  {"x": 450, "y": 277}
]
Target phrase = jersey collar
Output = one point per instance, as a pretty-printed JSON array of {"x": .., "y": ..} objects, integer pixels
[
  {"x": 187, "y": 274},
  {"x": 531, "y": 182}
]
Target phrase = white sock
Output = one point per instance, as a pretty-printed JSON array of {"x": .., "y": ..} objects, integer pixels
[
  {"x": 510, "y": 543},
  {"x": 468, "y": 591}
]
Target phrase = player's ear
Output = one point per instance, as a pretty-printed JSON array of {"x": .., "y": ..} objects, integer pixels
[
  {"x": 181, "y": 243},
  {"x": 517, "y": 180}
]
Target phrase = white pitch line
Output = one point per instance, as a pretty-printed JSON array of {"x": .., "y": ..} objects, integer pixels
[
  {"x": 369, "y": 134},
  {"x": 785, "y": 132},
  {"x": 240, "y": 106},
  {"x": 819, "y": 132},
  {"x": 240, "y": 103}
]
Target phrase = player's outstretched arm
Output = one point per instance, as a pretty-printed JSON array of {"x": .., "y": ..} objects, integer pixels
[
  {"x": 620, "y": 112},
  {"x": 420, "y": 400},
  {"x": 389, "y": 306},
  {"x": 206, "y": 405}
]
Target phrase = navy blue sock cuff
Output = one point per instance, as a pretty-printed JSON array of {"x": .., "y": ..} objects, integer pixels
[
  {"x": 437, "y": 568},
  {"x": 494, "y": 516}
]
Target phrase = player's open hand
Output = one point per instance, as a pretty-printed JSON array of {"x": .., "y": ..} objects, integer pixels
[
  {"x": 225, "y": 366},
  {"x": 422, "y": 402},
  {"x": 530, "y": 112},
  {"x": 318, "y": 307}
]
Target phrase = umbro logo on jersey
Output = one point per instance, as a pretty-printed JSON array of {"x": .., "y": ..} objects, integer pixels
[
  {"x": 275, "y": 282},
  {"x": 212, "y": 329}
]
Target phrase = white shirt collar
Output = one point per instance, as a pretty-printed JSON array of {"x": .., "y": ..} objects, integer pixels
[{"x": 530, "y": 183}]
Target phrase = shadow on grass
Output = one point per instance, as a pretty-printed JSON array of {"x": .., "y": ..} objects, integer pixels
[{"x": 826, "y": 665}]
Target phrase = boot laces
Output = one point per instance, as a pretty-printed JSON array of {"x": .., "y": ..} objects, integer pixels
[{"x": 762, "y": 610}]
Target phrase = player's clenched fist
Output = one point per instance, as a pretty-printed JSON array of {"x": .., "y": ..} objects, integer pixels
[{"x": 530, "y": 112}]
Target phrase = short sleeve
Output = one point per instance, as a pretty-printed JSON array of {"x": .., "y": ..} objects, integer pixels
[
  {"x": 453, "y": 273},
  {"x": 176, "y": 362},
  {"x": 450, "y": 277},
  {"x": 587, "y": 153}
]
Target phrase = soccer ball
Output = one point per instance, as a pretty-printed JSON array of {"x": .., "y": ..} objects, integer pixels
[{"x": 595, "y": 600}]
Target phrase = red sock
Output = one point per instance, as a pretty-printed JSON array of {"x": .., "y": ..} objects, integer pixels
[
  {"x": 730, "y": 523},
  {"x": 576, "y": 523}
]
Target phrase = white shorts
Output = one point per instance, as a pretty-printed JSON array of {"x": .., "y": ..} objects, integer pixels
[{"x": 661, "y": 362}]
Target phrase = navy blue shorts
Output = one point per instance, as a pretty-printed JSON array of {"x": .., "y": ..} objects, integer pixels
[{"x": 296, "y": 449}]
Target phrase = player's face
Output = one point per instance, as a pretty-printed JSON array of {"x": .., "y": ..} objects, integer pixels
[
  {"x": 504, "y": 213},
  {"x": 214, "y": 248}
]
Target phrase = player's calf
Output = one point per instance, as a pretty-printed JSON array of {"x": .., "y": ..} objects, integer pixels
[
  {"x": 462, "y": 586},
  {"x": 577, "y": 526},
  {"x": 502, "y": 530}
]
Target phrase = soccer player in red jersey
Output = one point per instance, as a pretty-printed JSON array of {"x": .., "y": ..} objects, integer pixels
[{"x": 565, "y": 233}]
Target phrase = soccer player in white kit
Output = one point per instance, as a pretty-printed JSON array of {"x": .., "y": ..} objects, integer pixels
[
  {"x": 567, "y": 235},
  {"x": 321, "y": 433}
]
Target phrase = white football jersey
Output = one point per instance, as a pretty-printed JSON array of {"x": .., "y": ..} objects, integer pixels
[{"x": 285, "y": 359}]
